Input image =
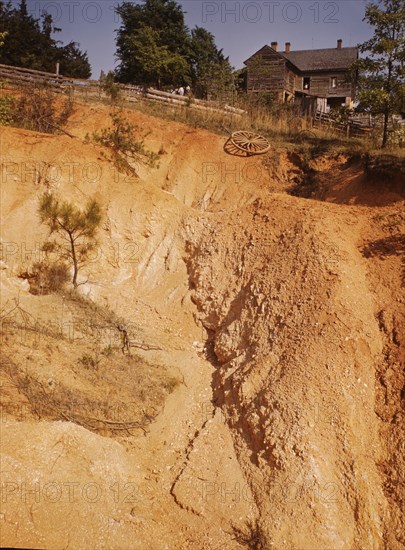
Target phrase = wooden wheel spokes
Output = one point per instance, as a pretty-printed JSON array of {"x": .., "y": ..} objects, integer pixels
[
  {"x": 231, "y": 149},
  {"x": 250, "y": 143}
]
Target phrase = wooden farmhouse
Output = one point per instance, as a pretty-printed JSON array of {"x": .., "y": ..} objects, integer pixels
[{"x": 316, "y": 77}]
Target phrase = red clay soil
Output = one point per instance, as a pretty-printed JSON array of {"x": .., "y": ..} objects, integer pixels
[{"x": 261, "y": 404}]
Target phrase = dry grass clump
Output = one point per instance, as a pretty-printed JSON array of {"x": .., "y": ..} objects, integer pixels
[
  {"x": 76, "y": 371},
  {"x": 45, "y": 278},
  {"x": 39, "y": 108}
]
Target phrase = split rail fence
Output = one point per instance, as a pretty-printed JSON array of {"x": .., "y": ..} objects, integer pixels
[
  {"x": 358, "y": 125},
  {"x": 94, "y": 89},
  {"x": 361, "y": 125}
]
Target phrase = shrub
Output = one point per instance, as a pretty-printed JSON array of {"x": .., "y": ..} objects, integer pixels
[
  {"x": 54, "y": 276},
  {"x": 111, "y": 88},
  {"x": 6, "y": 109},
  {"x": 46, "y": 278},
  {"x": 251, "y": 536},
  {"x": 38, "y": 108},
  {"x": 126, "y": 148}
]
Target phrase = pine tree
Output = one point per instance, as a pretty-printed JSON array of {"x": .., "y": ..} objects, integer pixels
[
  {"x": 155, "y": 47},
  {"x": 29, "y": 43},
  {"x": 380, "y": 75},
  {"x": 73, "y": 62},
  {"x": 75, "y": 229},
  {"x": 211, "y": 70}
]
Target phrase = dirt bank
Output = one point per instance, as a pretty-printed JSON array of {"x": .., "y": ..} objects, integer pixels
[{"x": 260, "y": 406}]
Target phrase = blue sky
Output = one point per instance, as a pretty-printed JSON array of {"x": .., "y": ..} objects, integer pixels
[{"x": 240, "y": 27}]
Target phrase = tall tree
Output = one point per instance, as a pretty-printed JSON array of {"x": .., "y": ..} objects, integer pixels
[
  {"x": 21, "y": 46},
  {"x": 154, "y": 61},
  {"x": 211, "y": 70},
  {"x": 152, "y": 42},
  {"x": 154, "y": 46},
  {"x": 73, "y": 62},
  {"x": 29, "y": 43},
  {"x": 381, "y": 73}
]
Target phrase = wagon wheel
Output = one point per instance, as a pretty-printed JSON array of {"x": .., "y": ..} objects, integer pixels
[
  {"x": 250, "y": 143},
  {"x": 230, "y": 148}
]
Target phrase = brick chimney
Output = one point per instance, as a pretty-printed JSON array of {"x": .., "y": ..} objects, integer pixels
[
  {"x": 274, "y": 46},
  {"x": 287, "y": 47},
  {"x": 339, "y": 44}
]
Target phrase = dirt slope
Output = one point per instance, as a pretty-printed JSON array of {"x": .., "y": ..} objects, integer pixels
[{"x": 261, "y": 404}]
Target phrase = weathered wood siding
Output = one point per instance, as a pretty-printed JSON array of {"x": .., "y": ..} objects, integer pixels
[
  {"x": 266, "y": 72},
  {"x": 321, "y": 84},
  {"x": 290, "y": 80},
  {"x": 269, "y": 71}
]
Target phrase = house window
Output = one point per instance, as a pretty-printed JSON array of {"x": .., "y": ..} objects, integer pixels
[
  {"x": 333, "y": 82},
  {"x": 306, "y": 83}
]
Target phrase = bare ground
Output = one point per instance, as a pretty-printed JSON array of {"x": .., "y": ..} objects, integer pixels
[{"x": 261, "y": 404}]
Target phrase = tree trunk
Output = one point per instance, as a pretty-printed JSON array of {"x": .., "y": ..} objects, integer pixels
[
  {"x": 387, "y": 105},
  {"x": 74, "y": 258},
  {"x": 385, "y": 130}
]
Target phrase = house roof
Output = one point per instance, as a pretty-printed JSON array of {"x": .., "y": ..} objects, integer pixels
[{"x": 317, "y": 60}]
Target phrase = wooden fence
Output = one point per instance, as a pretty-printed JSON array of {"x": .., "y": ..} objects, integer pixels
[
  {"x": 349, "y": 128},
  {"x": 94, "y": 89},
  {"x": 359, "y": 125},
  {"x": 363, "y": 125},
  {"x": 20, "y": 76}
]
